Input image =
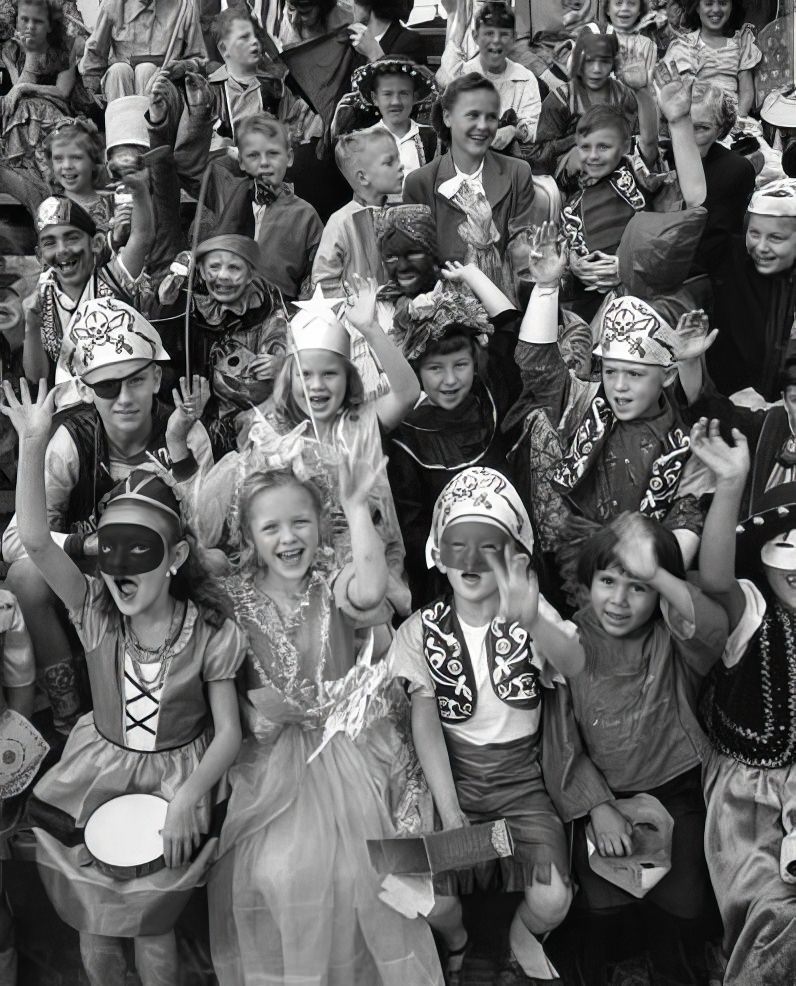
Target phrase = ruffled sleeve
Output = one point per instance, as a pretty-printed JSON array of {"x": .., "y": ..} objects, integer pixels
[
  {"x": 750, "y": 54},
  {"x": 93, "y": 621},
  {"x": 407, "y": 661},
  {"x": 224, "y": 653}
]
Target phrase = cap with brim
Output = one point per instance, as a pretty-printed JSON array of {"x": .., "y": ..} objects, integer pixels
[
  {"x": 242, "y": 246},
  {"x": 424, "y": 82},
  {"x": 107, "y": 332},
  {"x": 775, "y": 513},
  {"x": 57, "y": 210},
  {"x": 779, "y": 108},
  {"x": 777, "y": 199}
]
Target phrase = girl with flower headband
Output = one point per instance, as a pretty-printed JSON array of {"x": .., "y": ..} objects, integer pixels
[
  {"x": 165, "y": 720},
  {"x": 479, "y": 661},
  {"x": 293, "y": 897}
]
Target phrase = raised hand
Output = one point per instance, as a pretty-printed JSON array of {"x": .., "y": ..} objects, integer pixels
[
  {"x": 693, "y": 335},
  {"x": 728, "y": 463},
  {"x": 357, "y": 478},
  {"x": 548, "y": 256},
  {"x": 361, "y": 307},
  {"x": 457, "y": 272},
  {"x": 635, "y": 546},
  {"x": 159, "y": 93},
  {"x": 610, "y": 831},
  {"x": 189, "y": 403},
  {"x": 517, "y": 584},
  {"x": 673, "y": 92},
  {"x": 633, "y": 70},
  {"x": 197, "y": 91},
  {"x": 33, "y": 420}
]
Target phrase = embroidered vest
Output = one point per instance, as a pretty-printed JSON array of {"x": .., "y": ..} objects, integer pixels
[
  {"x": 665, "y": 474},
  {"x": 749, "y": 710},
  {"x": 625, "y": 187},
  {"x": 515, "y": 679}
]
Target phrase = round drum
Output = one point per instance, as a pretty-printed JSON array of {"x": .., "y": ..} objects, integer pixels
[{"x": 123, "y": 835}]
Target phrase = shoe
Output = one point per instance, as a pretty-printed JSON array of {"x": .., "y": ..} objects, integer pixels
[{"x": 511, "y": 973}]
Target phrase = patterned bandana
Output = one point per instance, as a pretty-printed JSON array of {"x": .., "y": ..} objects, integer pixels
[
  {"x": 631, "y": 330},
  {"x": 485, "y": 496},
  {"x": 416, "y": 222},
  {"x": 427, "y": 318}
]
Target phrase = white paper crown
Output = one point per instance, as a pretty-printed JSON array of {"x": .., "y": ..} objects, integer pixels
[
  {"x": 633, "y": 331},
  {"x": 317, "y": 326}
]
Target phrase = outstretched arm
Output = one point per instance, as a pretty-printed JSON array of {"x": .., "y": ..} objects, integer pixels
[
  {"x": 404, "y": 388},
  {"x": 33, "y": 423},
  {"x": 487, "y": 292},
  {"x": 730, "y": 467},
  {"x": 674, "y": 100},
  {"x": 546, "y": 266},
  {"x": 368, "y": 586}
]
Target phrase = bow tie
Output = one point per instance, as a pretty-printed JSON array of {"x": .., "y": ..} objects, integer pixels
[{"x": 263, "y": 194}]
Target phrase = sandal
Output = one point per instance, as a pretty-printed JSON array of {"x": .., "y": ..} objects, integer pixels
[{"x": 453, "y": 976}]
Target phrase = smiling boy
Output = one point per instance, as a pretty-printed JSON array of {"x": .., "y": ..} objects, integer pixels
[
  {"x": 621, "y": 441},
  {"x": 97, "y": 444},
  {"x": 494, "y": 33},
  {"x": 754, "y": 285},
  {"x": 68, "y": 247}
]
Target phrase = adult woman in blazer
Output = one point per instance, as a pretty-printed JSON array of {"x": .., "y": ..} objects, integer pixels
[{"x": 480, "y": 200}]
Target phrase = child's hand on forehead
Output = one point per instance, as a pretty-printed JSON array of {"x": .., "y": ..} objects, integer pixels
[
  {"x": 693, "y": 337},
  {"x": 517, "y": 584},
  {"x": 33, "y": 420},
  {"x": 548, "y": 255},
  {"x": 728, "y": 463},
  {"x": 635, "y": 546}
]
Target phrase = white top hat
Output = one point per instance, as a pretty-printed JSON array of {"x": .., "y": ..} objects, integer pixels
[{"x": 125, "y": 122}]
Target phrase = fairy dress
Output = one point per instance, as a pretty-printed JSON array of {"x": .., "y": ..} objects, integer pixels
[
  {"x": 130, "y": 744},
  {"x": 293, "y": 898}
]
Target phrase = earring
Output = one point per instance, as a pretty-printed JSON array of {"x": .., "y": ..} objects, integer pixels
[{"x": 173, "y": 570}]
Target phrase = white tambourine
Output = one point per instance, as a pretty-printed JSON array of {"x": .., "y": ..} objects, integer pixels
[{"x": 124, "y": 835}]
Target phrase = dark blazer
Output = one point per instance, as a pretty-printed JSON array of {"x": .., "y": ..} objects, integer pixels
[
  {"x": 508, "y": 185},
  {"x": 399, "y": 40}
]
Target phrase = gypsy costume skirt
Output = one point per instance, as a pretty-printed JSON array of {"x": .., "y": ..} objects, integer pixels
[{"x": 92, "y": 771}]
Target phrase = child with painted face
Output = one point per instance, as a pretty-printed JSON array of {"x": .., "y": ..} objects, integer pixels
[
  {"x": 520, "y": 102},
  {"x": 480, "y": 200},
  {"x": 649, "y": 637},
  {"x": 613, "y": 444},
  {"x": 301, "y": 610},
  {"x": 70, "y": 248},
  {"x": 238, "y": 331},
  {"x": 476, "y": 717},
  {"x": 717, "y": 46},
  {"x": 754, "y": 286},
  {"x": 748, "y": 713},
  {"x": 595, "y": 79},
  {"x": 165, "y": 719}
]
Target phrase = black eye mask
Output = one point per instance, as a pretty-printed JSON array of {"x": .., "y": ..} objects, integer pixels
[
  {"x": 466, "y": 557},
  {"x": 129, "y": 549}
]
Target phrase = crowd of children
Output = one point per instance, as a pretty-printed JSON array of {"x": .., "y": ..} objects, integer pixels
[{"x": 405, "y": 467}]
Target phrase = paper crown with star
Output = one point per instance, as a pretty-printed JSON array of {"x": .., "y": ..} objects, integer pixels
[
  {"x": 318, "y": 326},
  {"x": 631, "y": 330}
]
